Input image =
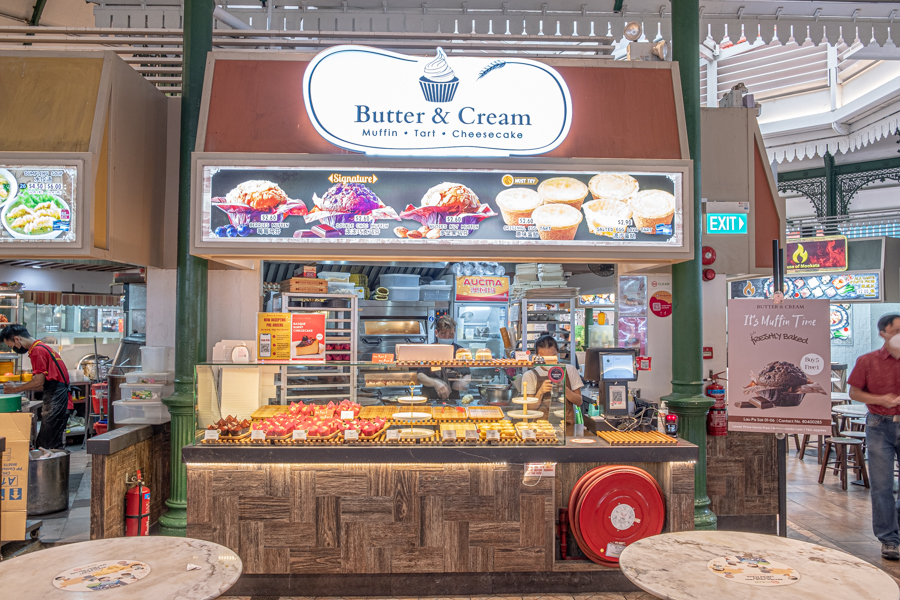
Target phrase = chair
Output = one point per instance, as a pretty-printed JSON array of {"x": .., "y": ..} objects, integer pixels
[{"x": 842, "y": 463}]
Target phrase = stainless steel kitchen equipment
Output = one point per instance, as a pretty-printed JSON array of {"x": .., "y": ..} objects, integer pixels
[{"x": 383, "y": 325}]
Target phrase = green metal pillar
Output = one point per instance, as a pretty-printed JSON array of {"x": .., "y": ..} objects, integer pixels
[
  {"x": 831, "y": 187},
  {"x": 190, "y": 314},
  {"x": 687, "y": 399}
]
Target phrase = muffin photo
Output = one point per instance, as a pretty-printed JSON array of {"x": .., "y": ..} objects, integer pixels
[
  {"x": 563, "y": 190},
  {"x": 782, "y": 383},
  {"x": 605, "y": 217},
  {"x": 651, "y": 208},
  {"x": 439, "y": 82},
  {"x": 516, "y": 204},
  {"x": 556, "y": 221},
  {"x": 613, "y": 186}
]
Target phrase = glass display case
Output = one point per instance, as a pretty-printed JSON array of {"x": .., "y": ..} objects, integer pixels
[{"x": 387, "y": 404}]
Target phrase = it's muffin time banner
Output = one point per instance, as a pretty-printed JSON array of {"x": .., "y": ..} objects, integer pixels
[
  {"x": 779, "y": 373},
  {"x": 417, "y": 206}
]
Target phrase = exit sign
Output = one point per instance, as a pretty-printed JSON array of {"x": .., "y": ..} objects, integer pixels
[{"x": 726, "y": 223}]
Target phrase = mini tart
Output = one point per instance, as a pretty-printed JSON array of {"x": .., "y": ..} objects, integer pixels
[
  {"x": 604, "y": 217},
  {"x": 517, "y": 203},
  {"x": 563, "y": 190},
  {"x": 557, "y": 221},
  {"x": 613, "y": 186},
  {"x": 651, "y": 208}
]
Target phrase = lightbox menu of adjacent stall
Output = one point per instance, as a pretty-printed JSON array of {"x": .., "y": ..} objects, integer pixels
[{"x": 37, "y": 203}]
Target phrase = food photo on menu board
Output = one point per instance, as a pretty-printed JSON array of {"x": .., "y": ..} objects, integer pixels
[
  {"x": 37, "y": 203},
  {"x": 418, "y": 206}
]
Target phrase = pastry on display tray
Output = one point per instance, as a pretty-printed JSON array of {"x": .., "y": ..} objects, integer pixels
[
  {"x": 624, "y": 438},
  {"x": 494, "y": 362}
]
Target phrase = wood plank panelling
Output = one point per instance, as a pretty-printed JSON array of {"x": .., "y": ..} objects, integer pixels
[
  {"x": 316, "y": 519},
  {"x": 742, "y": 474}
]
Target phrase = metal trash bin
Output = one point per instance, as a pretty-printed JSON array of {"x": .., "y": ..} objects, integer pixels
[{"x": 48, "y": 483}]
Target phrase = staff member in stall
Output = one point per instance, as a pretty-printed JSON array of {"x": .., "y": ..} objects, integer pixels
[
  {"x": 50, "y": 376},
  {"x": 445, "y": 383},
  {"x": 540, "y": 386}
]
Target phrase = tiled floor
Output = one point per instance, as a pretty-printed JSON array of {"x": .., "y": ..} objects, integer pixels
[{"x": 73, "y": 525}]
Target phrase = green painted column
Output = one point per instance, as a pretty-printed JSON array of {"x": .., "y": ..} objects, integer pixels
[
  {"x": 190, "y": 314},
  {"x": 687, "y": 399}
]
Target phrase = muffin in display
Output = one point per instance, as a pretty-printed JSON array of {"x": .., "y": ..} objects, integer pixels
[
  {"x": 563, "y": 190},
  {"x": 439, "y": 82},
  {"x": 557, "y": 221},
  {"x": 651, "y": 208},
  {"x": 605, "y": 217},
  {"x": 517, "y": 203},
  {"x": 613, "y": 186}
]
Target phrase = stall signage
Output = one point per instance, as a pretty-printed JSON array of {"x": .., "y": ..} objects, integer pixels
[
  {"x": 379, "y": 102},
  {"x": 846, "y": 287},
  {"x": 783, "y": 379},
  {"x": 472, "y": 288},
  {"x": 661, "y": 304},
  {"x": 726, "y": 223},
  {"x": 408, "y": 207},
  {"x": 817, "y": 254},
  {"x": 291, "y": 337},
  {"x": 37, "y": 203}
]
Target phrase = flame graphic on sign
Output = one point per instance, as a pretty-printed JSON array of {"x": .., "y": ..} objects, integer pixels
[
  {"x": 749, "y": 290},
  {"x": 800, "y": 255}
]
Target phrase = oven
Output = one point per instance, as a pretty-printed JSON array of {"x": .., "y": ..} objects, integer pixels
[{"x": 383, "y": 325}]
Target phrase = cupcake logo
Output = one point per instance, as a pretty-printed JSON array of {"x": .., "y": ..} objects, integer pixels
[{"x": 439, "y": 82}]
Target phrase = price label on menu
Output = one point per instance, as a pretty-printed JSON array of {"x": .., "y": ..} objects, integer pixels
[
  {"x": 257, "y": 434},
  {"x": 382, "y": 358},
  {"x": 299, "y": 434},
  {"x": 351, "y": 435},
  {"x": 393, "y": 434},
  {"x": 346, "y": 415},
  {"x": 492, "y": 434},
  {"x": 211, "y": 434},
  {"x": 471, "y": 434},
  {"x": 528, "y": 434},
  {"x": 449, "y": 434}
]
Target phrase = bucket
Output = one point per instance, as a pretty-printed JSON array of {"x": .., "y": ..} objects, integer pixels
[
  {"x": 10, "y": 403},
  {"x": 153, "y": 359},
  {"x": 100, "y": 427},
  {"x": 48, "y": 483},
  {"x": 100, "y": 391}
]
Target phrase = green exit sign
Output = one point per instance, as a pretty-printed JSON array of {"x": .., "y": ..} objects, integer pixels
[{"x": 726, "y": 223}]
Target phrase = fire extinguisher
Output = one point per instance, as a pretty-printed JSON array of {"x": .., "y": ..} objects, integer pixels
[
  {"x": 717, "y": 418},
  {"x": 137, "y": 507}
]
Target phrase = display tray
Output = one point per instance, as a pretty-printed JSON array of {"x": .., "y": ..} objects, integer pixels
[
  {"x": 474, "y": 364},
  {"x": 485, "y": 413},
  {"x": 622, "y": 438}
]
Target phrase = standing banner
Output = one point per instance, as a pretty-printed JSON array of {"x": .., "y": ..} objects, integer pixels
[{"x": 779, "y": 366}]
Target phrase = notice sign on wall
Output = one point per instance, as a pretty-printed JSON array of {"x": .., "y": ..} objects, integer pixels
[
  {"x": 780, "y": 367},
  {"x": 291, "y": 337}
]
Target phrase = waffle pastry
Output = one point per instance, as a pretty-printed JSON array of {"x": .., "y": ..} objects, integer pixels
[
  {"x": 620, "y": 438},
  {"x": 542, "y": 428},
  {"x": 506, "y": 429}
]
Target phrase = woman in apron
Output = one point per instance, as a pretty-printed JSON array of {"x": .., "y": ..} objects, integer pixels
[{"x": 540, "y": 385}]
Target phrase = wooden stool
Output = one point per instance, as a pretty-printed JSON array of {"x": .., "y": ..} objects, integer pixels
[{"x": 843, "y": 446}]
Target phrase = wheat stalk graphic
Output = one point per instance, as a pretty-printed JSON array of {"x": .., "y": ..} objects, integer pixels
[{"x": 497, "y": 64}]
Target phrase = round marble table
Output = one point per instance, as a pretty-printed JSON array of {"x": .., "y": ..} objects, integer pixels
[
  {"x": 851, "y": 410},
  {"x": 674, "y": 566},
  {"x": 840, "y": 397},
  {"x": 32, "y": 575}
]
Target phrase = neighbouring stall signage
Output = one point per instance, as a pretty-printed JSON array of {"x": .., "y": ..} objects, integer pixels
[
  {"x": 817, "y": 254},
  {"x": 408, "y": 207},
  {"x": 779, "y": 376},
  {"x": 291, "y": 337},
  {"x": 37, "y": 203},
  {"x": 726, "y": 223},
  {"x": 379, "y": 102},
  {"x": 846, "y": 287},
  {"x": 472, "y": 288},
  {"x": 840, "y": 324}
]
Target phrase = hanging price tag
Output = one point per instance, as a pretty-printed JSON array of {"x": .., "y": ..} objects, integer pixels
[
  {"x": 257, "y": 434},
  {"x": 393, "y": 434},
  {"x": 471, "y": 435},
  {"x": 299, "y": 434},
  {"x": 528, "y": 434},
  {"x": 211, "y": 434},
  {"x": 449, "y": 434},
  {"x": 346, "y": 415},
  {"x": 382, "y": 358},
  {"x": 492, "y": 434},
  {"x": 351, "y": 435}
]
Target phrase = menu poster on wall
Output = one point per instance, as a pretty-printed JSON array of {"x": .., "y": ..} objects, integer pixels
[
  {"x": 415, "y": 206},
  {"x": 779, "y": 373},
  {"x": 472, "y": 288},
  {"x": 37, "y": 203},
  {"x": 841, "y": 324},
  {"x": 855, "y": 286},
  {"x": 291, "y": 337}
]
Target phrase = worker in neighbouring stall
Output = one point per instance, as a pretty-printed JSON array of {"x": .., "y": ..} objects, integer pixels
[
  {"x": 445, "y": 383},
  {"x": 539, "y": 384},
  {"x": 50, "y": 376}
]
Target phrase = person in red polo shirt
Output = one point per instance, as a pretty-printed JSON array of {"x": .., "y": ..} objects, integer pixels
[
  {"x": 875, "y": 380},
  {"x": 50, "y": 376}
]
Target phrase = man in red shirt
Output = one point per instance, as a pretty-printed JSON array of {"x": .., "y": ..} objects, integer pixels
[
  {"x": 50, "y": 376},
  {"x": 875, "y": 380}
]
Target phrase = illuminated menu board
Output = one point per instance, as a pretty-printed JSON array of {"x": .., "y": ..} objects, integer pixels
[
  {"x": 401, "y": 206},
  {"x": 855, "y": 286},
  {"x": 38, "y": 203}
]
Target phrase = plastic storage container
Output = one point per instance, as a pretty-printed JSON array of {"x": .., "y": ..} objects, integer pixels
[
  {"x": 153, "y": 359},
  {"x": 146, "y": 391},
  {"x": 140, "y": 413},
  {"x": 147, "y": 377},
  {"x": 399, "y": 280},
  {"x": 341, "y": 287},
  {"x": 435, "y": 292},
  {"x": 400, "y": 294},
  {"x": 331, "y": 276}
]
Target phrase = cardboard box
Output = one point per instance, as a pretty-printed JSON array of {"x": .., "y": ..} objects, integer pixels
[
  {"x": 16, "y": 428},
  {"x": 12, "y": 526}
]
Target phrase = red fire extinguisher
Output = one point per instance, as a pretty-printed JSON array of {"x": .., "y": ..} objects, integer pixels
[
  {"x": 717, "y": 418},
  {"x": 137, "y": 508}
]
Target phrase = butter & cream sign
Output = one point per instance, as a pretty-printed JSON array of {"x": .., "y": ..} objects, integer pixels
[{"x": 383, "y": 103}]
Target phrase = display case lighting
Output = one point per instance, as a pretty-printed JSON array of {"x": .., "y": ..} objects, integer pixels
[{"x": 339, "y": 465}]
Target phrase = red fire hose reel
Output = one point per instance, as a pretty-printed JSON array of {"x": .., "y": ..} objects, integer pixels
[{"x": 611, "y": 507}]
